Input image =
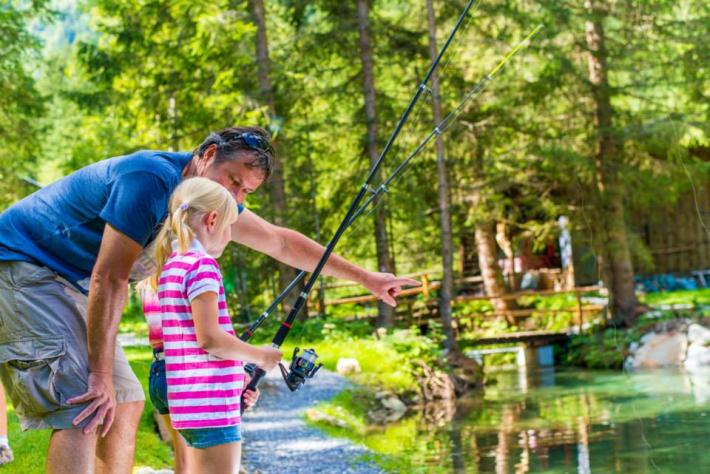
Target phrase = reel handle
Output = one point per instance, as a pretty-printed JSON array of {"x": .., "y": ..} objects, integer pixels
[{"x": 256, "y": 377}]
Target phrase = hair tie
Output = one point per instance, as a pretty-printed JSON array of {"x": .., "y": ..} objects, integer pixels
[{"x": 184, "y": 206}]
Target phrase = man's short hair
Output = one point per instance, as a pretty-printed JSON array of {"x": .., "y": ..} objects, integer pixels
[{"x": 233, "y": 142}]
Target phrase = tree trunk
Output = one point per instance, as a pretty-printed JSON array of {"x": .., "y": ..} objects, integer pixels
[
  {"x": 506, "y": 245},
  {"x": 384, "y": 260},
  {"x": 620, "y": 272},
  {"x": 447, "y": 251},
  {"x": 316, "y": 221},
  {"x": 490, "y": 271},
  {"x": 276, "y": 186}
]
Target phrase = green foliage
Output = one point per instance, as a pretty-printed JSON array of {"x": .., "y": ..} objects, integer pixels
[
  {"x": 603, "y": 350},
  {"x": 122, "y": 75},
  {"x": 688, "y": 297},
  {"x": 20, "y": 102},
  {"x": 387, "y": 362}
]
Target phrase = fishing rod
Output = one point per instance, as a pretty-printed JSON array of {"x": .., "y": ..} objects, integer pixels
[
  {"x": 439, "y": 129},
  {"x": 303, "y": 367}
]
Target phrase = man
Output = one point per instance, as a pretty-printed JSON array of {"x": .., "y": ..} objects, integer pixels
[{"x": 67, "y": 253}]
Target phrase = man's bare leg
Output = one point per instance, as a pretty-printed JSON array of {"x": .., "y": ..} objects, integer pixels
[
  {"x": 115, "y": 451},
  {"x": 71, "y": 452}
]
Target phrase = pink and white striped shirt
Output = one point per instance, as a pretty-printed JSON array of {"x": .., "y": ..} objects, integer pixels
[
  {"x": 203, "y": 390},
  {"x": 153, "y": 317}
]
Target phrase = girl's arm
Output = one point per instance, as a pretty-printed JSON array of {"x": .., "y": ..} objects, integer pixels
[{"x": 212, "y": 338}]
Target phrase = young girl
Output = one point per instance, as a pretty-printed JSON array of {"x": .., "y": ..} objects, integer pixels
[{"x": 203, "y": 357}]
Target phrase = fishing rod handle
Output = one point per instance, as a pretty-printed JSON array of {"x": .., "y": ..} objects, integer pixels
[{"x": 256, "y": 377}]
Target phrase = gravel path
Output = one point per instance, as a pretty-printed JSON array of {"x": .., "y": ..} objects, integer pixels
[{"x": 277, "y": 440}]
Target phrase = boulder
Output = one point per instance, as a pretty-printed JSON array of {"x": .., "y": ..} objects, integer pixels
[
  {"x": 698, "y": 355},
  {"x": 391, "y": 409},
  {"x": 347, "y": 366},
  {"x": 647, "y": 337},
  {"x": 394, "y": 404},
  {"x": 660, "y": 350},
  {"x": 698, "y": 334}
]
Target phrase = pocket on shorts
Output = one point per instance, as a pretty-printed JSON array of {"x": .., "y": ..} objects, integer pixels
[{"x": 29, "y": 370}]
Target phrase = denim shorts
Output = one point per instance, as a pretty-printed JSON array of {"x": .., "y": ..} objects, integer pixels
[
  {"x": 208, "y": 437},
  {"x": 158, "y": 387}
]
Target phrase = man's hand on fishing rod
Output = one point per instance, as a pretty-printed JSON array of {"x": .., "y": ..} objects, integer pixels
[{"x": 387, "y": 286}]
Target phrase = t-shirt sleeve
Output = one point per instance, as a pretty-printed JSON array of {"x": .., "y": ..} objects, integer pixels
[
  {"x": 203, "y": 276},
  {"x": 136, "y": 204}
]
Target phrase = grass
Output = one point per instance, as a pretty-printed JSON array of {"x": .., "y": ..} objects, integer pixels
[
  {"x": 30, "y": 447},
  {"x": 382, "y": 366},
  {"x": 690, "y": 297}
]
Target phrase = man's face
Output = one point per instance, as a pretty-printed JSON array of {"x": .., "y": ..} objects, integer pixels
[{"x": 239, "y": 179}]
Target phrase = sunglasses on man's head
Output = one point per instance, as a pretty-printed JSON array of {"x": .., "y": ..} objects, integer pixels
[{"x": 255, "y": 142}]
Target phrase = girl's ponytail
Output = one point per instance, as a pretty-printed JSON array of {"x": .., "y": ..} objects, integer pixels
[
  {"x": 181, "y": 227},
  {"x": 163, "y": 249}
]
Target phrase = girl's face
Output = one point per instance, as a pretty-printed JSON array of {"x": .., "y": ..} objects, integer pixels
[{"x": 212, "y": 237}]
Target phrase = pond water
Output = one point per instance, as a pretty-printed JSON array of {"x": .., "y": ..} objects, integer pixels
[{"x": 560, "y": 421}]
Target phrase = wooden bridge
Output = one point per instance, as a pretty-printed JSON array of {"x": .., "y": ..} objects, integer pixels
[{"x": 417, "y": 312}]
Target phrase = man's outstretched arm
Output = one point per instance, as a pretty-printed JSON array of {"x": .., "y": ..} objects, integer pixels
[{"x": 298, "y": 251}]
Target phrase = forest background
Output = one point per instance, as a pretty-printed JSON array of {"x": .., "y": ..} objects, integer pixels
[{"x": 602, "y": 117}]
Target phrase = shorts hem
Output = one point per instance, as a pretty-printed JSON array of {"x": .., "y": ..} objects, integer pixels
[
  {"x": 128, "y": 396},
  {"x": 212, "y": 444},
  {"x": 58, "y": 420},
  {"x": 204, "y": 438}
]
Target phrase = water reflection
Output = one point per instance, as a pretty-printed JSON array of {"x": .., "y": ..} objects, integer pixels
[{"x": 561, "y": 421}]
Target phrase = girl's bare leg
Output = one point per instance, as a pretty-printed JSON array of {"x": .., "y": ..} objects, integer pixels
[
  {"x": 181, "y": 449},
  {"x": 221, "y": 459}
]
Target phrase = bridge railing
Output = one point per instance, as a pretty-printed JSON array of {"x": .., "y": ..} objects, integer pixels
[{"x": 428, "y": 286}]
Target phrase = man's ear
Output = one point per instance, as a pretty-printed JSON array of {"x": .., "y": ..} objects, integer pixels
[
  {"x": 207, "y": 158},
  {"x": 210, "y": 220}
]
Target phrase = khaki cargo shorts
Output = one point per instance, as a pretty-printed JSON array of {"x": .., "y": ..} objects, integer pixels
[{"x": 43, "y": 351}]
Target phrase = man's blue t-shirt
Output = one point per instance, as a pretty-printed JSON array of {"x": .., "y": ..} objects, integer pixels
[{"x": 60, "y": 226}]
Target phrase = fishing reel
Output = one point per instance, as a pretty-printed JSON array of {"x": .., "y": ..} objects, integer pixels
[{"x": 302, "y": 367}]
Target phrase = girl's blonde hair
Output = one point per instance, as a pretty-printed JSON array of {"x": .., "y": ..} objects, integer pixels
[{"x": 191, "y": 200}]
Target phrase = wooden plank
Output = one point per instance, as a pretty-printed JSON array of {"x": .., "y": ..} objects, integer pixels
[
  {"x": 524, "y": 313},
  {"x": 523, "y": 336},
  {"x": 512, "y": 296},
  {"x": 437, "y": 284}
]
